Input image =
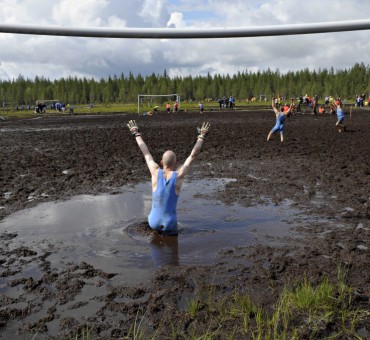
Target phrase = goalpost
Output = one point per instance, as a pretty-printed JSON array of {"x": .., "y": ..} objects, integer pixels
[
  {"x": 10, "y": 106},
  {"x": 142, "y": 97}
]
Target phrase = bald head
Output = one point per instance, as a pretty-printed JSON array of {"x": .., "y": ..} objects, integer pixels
[{"x": 169, "y": 159}]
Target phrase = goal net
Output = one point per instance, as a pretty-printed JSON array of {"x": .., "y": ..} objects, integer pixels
[{"x": 147, "y": 102}]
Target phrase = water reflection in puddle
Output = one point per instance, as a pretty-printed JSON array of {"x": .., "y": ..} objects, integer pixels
[{"x": 96, "y": 229}]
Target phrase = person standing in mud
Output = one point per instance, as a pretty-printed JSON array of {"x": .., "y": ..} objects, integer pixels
[
  {"x": 168, "y": 107},
  {"x": 280, "y": 117},
  {"x": 340, "y": 115},
  {"x": 176, "y": 107},
  {"x": 201, "y": 107},
  {"x": 166, "y": 182},
  {"x": 315, "y": 103},
  {"x": 300, "y": 102},
  {"x": 219, "y": 101},
  {"x": 155, "y": 109}
]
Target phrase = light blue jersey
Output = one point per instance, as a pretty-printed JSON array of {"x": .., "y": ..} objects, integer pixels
[
  {"x": 279, "y": 126},
  {"x": 163, "y": 216},
  {"x": 340, "y": 114}
]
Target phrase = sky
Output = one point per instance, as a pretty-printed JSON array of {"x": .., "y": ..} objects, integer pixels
[{"x": 57, "y": 57}]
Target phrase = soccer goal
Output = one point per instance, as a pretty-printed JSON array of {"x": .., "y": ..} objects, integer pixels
[
  {"x": 264, "y": 97},
  {"x": 146, "y": 102},
  {"x": 9, "y": 106}
]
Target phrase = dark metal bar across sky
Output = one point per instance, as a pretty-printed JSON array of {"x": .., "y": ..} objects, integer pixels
[{"x": 188, "y": 33}]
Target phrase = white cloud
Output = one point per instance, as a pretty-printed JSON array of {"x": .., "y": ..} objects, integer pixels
[
  {"x": 154, "y": 11},
  {"x": 3, "y": 73},
  {"x": 12, "y": 11},
  {"x": 54, "y": 57},
  {"x": 79, "y": 13},
  {"x": 115, "y": 21},
  {"x": 176, "y": 20}
]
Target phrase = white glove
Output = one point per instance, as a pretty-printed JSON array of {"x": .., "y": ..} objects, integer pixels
[
  {"x": 203, "y": 130},
  {"x": 133, "y": 128}
]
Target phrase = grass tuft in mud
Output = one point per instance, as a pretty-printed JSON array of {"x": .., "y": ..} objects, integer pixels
[{"x": 325, "y": 310}]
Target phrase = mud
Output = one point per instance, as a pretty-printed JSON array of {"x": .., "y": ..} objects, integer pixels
[{"x": 323, "y": 174}]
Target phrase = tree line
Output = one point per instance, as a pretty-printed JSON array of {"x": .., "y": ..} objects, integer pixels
[{"x": 243, "y": 85}]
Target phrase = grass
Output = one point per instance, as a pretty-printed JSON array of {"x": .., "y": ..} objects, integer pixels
[
  {"x": 77, "y": 109},
  {"x": 305, "y": 310},
  {"x": 128, "y": 108},
  {"x": 85, "y": 334},
  {"x": 192, "y": 307},
  {"x": 117, "y": 108}
]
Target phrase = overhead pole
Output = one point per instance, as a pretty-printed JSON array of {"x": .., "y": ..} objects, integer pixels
[{"x": 189, "y": 33}]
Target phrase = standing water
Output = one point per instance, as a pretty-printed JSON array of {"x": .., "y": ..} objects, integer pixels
[
  {"x": 96, "y": 229},
  {"x": 106, "y": 231}
]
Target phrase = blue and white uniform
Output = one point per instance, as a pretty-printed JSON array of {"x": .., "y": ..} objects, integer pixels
[
  {"x": 279, "y": 126},
  {"x": 340, "y": 115},
  {"x": 163, "y": 216}
]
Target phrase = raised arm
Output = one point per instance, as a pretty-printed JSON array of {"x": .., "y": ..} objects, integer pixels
[
  {"x": 202, "y": 132},
  {"x": 290, "y": 108},
  {"x": 153, "y": 166},
  {"x": 273, "y": 105}
]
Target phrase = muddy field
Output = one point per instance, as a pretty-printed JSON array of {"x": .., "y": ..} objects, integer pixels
[{"x": 318, "y": 171}]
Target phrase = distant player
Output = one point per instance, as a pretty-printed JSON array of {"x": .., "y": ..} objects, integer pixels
[
  {"x": 280, "y": 117},
  {"x": 176, "y": 107},
  {"x": 292, "y": 107},
  {"x": 340, "y": 115},
  {"x": 332, "y": 105},
  {"x": 168, "y": 107},
  {"x": 201, "y": 108}
]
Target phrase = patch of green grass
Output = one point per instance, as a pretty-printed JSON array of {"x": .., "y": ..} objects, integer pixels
[
  {"x": 324, "y": 310},
  {"x": 85, "y": 333},
  {"x": 105, "y": 108},
  {"x": 305, "y": 310},
  {"x": 192, "y": 306},
  {"x": 17, "y": 114},
  {"x": 137, "y": 331},
  {"x": 120, "y": 108},
  {"x": 132, "y": 108}
]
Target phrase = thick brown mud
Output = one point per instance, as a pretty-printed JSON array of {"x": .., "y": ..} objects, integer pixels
[{"x": 323, "y": 175}]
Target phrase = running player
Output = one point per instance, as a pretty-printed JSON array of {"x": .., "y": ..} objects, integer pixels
[
  {"x": 340, "y": 115},
  {"x": 280, "y": 117}
]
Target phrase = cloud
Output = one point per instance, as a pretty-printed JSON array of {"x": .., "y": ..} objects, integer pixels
[
  {"x": 154, "y": 12},
  {"x": 176, "y": 20},
  {"x": 56, "y": 57},
  {"x": 79, "y": 13},
  {"x": 115, "y": 21},
  {"x": 3, "y": 73}
]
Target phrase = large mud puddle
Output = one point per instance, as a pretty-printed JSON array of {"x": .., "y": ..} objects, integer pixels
[
  {"x": 108, "y": 231},
  {"x": 62, "y": 259}
]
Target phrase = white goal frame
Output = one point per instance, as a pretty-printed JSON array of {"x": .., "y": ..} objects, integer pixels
[{"x": 140, "y": 96}]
